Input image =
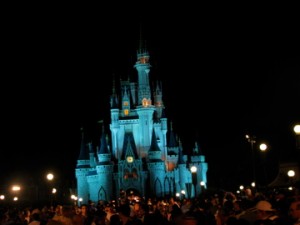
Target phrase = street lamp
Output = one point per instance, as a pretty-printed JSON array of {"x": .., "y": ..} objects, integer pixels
[
  {"x": 194, "y": 178},
  {"x": 50, "y": 178},
  {"x": 252, "y": 141},
  {"x": 291, "y": 174},
  {"x": 80, "y": 201},
  {"x": 183, "y": 194},
  {"x": 263, "y": 147},
  {"x": 74, "y": 198},
  {"x": 202, "y": 185},
  {"x": 297, "y": 132}
]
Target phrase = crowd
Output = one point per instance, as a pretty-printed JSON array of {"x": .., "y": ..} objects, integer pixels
[{"x": 219, "y": 208}]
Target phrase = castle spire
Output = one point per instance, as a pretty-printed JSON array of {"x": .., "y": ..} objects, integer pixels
[
  {"x": 84, "y": 153},
  {"x": 103, "y": 144},
  {"x": 180, "y": 154}
]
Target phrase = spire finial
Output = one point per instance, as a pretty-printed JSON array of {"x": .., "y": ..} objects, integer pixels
[{"x": 141, "y": 38}]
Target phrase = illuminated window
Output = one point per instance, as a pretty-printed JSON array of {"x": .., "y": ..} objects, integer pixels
[
  {"x": 143, "y": 60},
  {"x": 125, "y": 103},
  {"x": 126, "y": 174},
  {"x": 126, "y": 112},
  {"x": 130, "y": 174},
  {"x": 134, "y": 174},
  {"x": 145, "y": 102}
]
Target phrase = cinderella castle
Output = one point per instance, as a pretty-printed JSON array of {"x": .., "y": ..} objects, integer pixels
[{"x": 143, "y": 154}]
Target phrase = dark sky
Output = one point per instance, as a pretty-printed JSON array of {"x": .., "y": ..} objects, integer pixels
[{"x": 223, "y": 74}]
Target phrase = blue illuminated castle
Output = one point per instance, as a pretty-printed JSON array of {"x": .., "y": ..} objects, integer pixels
[{"x": 143, "y": 156}]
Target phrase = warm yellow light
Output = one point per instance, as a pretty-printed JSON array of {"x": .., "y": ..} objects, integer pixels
[
  {"x": 50, "y": 176},
  {"x": 16, "y": 188},
  {"x": 263, "y": 147},
  {"x": 291, "y": 173},
  {"x": 193, "y": 169},
  {"x": 73, "y": 197},
  {"x": 297, "y": 129}
]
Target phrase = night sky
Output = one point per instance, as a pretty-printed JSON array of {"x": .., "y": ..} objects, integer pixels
[{"x": 223, "y": 75}]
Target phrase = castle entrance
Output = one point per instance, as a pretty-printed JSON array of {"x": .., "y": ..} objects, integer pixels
[{"x": 133, "y": 194}]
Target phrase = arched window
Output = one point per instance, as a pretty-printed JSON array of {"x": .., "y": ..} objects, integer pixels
[
  {"x": 134, "y": 173},
  {"x": 126, "y": 174}
]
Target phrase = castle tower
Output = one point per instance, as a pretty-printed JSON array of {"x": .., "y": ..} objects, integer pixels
[{"x": 82, "y": 169}]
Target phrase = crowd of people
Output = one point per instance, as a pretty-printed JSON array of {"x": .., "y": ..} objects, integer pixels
[{"x": 219, "y": 208}]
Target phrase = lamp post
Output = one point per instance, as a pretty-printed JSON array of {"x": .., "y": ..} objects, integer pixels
[
  {"x": 194, "y": 179},
  {"x": 183, "y": 194},
  {"x": 51, "y": 191},
  {"x": 263, "y": 147},
  {"x": 291, "y": 174},
  {"x": 297, "y": 132},
  {"x": 202, "y": 185},
  {"x": 74, "y": 198},
  {"x": 252, "y": 141}
]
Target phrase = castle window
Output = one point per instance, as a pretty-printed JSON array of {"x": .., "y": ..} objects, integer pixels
[
  {"x": 134, "y": 174},
  {"x": 144, "y": 102},
  {"x": 126, "y": 174},
  {"x": 143, "y": 60},
  {"x": 126, "y": 112},
  {"x": 130, "y": 174}
]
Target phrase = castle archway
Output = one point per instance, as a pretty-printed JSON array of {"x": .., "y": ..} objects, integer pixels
[{"x": 133, "y": 194}]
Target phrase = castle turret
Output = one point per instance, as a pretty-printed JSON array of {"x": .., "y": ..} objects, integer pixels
[
  {"x": 82, "y": 169},
  {"x": 104, "y": 170},
  {"x": 142, "y": 66},
  {"x": 183, "y": 176},
  {"x": 156, "y": 167},
  {"x": 158, "y": 101},
  {"x": 115, "y": 125},
  {"x": 198, "y": 160}
]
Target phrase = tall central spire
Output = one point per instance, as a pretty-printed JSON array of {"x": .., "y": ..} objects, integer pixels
[{"x": 142, "y": 66}]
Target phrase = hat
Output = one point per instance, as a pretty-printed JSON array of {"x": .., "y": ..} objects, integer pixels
[{"x": 264, "y": 206}]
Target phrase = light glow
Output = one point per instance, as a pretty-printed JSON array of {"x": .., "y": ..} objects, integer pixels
[
  {"x": 263, "y": 147},
  {"x": 297, "y": 129},
  {"x": 291, "y": 173}
]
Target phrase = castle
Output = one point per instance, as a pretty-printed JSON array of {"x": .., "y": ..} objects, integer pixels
[{"x": 144, "y": 156}]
